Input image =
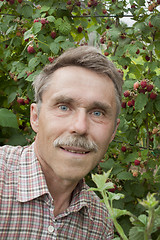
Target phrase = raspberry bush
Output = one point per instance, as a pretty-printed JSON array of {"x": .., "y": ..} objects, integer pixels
[{"x": 34, "y": 33}]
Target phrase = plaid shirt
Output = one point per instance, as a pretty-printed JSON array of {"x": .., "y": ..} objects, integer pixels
[{"x": 26, "y": 206}]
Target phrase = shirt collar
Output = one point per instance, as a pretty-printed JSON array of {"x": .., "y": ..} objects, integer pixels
[
  {"x": 82, "y": 199},
  {"x": 31, "y": 182}
]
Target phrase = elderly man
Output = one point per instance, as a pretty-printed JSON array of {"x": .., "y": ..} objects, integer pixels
[{"x": 43, "y": 194}]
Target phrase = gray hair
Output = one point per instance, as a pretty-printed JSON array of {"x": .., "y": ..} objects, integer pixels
[{"x": 83, "y": 56}]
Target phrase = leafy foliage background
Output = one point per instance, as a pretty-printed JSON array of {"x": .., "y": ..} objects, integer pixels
[{"x": 34, "y": 33}]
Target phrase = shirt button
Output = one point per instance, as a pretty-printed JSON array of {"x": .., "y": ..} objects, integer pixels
[{"x": 50, "y": 229}]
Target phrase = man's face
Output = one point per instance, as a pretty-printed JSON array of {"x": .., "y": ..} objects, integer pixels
[{"x": 77, "y": 104}]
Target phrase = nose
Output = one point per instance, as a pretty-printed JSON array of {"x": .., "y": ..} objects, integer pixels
[{"x": 79, "y": 123}]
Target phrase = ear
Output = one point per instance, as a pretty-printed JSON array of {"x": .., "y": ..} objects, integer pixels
[
  {"x": 115, "y": 130},
  {"x": 34, "y": 117}
]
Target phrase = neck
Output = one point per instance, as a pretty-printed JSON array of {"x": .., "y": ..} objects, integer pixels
[
  {"x": 61, "y": 192},
  {"x": 60, "y": 189}
]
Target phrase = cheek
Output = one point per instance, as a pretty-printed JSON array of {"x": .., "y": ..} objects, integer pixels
[{"x": 103, "y": 135}]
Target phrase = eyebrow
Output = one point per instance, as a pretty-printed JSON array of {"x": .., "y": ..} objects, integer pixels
[
  {"x": 95, "y": 105},
  {"x": 63, "y": 99}
]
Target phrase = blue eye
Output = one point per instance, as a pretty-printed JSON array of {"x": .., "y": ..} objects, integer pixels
[
  {"x": 63, "y": 107},
  {"x": 97, "y": 113}
]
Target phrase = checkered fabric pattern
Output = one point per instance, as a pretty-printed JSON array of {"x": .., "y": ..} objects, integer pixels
[{"x": 26, "y": 206}]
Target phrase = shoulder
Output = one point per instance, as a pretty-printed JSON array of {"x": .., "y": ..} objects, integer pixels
[{"x": 9, "y": 157}]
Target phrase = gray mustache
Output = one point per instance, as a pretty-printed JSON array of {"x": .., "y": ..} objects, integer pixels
[{"x": 76, "y": 141}]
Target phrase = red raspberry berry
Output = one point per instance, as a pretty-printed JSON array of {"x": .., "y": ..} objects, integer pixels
[
  {"x": 53, "y": 35},
  {"x": 36, "y": 20},
  {"x": 102, "y": 40},
  {"x": 104, "y": 11},
  {"x": 78, "y": 3},
  {"x": 142, "y": 90},
  {"x": 150, "y": 24},
  {"x": 106, "y": 53},
  {"x": 43, "y": 21},
  {"x": 133, "y": 6},
  {"x": 143, "y": 83},
  {"x": 123, "y": 149},
  {"x": 30, "y": 49},
  {"x": 123, "y": 105},
  {"x": 112, "y": 189},
  {"x": 130, "y": 104},
  {"x": 69, "y": 2},
  {"x": 20, "y": 101},
  {"x": 51, "y": 59},
  {"x": 80, "y": 29},
  {"x": 153, "y": 95},
  {"x": 126, "y": 93},
  {"x": 147, "y": 58},
  {"x": 136, "y": 85},
  {"x": 149, "y": 87},
  {"x": 137, "y": 162}
]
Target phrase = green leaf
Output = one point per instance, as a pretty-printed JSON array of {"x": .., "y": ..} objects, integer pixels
[
  {"x": 155, "y": 20},
  {"x": 31, "y": 77},
  {"x": 37, "y": 27},
  {"x": 139, "y": 119},
  {"x": 157, "y": 83},
  {"x": 118, "y": 212},
  {"x": 137, "y": 70},
  {"x": 33, "y": 62},
  {"x": 65, "y": 28},
  {"x": 143, "y": 219},
  {"x": 157, "y": 103},
  {"x": 136, "y": 233},
  {"x": 58, "y": 22},
  {"x": 8, "y": 118},
  {"x": 28, "y": 33},
  {"x": 50, "y": 18},
  {"x": 141, "y": 101},
  {"x": 100, "y": 179},
  {"x": 44, "y": 8},
  {"x": 66, "y": 45},
  {"x": 114, "y": 32},
  {"x": 11, "y": 97},
  {"x": 11, "y": 29},
  {"x": 125, "y": 176},
  {"x": 27, "y": 11},
  {"x": 115, "y": 196},
  {"x": 131, "y": 157},
  {"x": 54, "y": 47},
  {"x": 92, "y": 28},
  {"x": 22, "y": 74},
  {"x": 60, "y": 39},
  {"x": 107, "y": 164}
]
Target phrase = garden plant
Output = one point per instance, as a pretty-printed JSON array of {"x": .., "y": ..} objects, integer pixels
[{"x": 34, "y": 33}]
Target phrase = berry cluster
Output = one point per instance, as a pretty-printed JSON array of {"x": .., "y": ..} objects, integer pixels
[
  {"x": 43, "y": 21},
  {"x": 144, "y": 86},
  {"x": 153, "y": 5},
  {"x": 92, "y": 3},
  {"x": 23, "y": 100}
]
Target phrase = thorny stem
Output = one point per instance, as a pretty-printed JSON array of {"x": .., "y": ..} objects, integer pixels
[
  {"x": 150, "y": 223},
  {"x": 147, "y": 143},
  {"x": 116, "y": 224},
  {"x": 151, "y": 52}
]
